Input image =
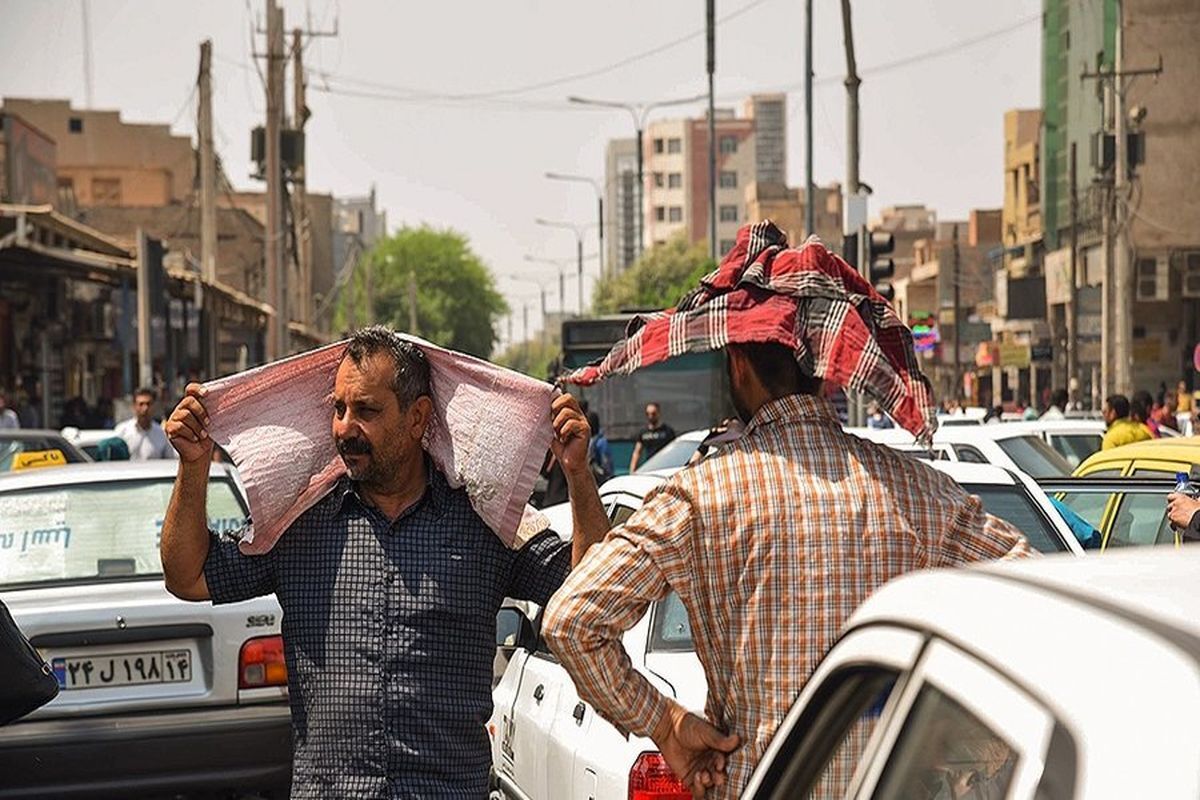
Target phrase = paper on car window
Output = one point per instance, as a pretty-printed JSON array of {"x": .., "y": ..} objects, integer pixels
[{"x": 34, "y": 537}]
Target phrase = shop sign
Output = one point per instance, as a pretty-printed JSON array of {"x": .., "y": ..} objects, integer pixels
[{"x": 1014, "y": 355}]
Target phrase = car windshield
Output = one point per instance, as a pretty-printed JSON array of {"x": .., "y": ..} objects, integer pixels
[
  {"x": 1014, "y": 505},
  {"x": 674, "y": 454},
  {"x": 1034, "y": 457},
  {"x": 1076, "y": 447},
  {"x": 10, "y": 448},
  {"x": 92, "y": 532}
]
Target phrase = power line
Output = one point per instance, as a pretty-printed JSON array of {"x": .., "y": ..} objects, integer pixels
[{"x": 417, "y": 93}]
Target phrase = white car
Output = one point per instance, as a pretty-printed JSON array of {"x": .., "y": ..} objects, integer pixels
[
  {"x": 1009, "y": 445},
  {"x": 157, "y": 695},
  {"x": 547, "y": 744},
  {"x": 87, "y": 439},
  {"x": 1049, "y": 678}
]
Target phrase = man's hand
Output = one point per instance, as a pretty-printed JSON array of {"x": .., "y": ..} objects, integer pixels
[
  {"x": 694, "y": 749},
  {"x": 1181, "y": 509},
  {"x": 187, "y": 427},
  {"x": 571, "y": 434}
]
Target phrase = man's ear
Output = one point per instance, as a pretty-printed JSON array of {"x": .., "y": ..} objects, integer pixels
[{"x": 420, "y": 411}]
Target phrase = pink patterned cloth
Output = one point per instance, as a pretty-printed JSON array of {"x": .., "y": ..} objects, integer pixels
[{"x": 490, "y": 431}]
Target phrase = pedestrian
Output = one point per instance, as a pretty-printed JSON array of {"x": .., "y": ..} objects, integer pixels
[
  {"x": 1141, "y": 410},
  {"x": 1058, "y": 406},
  {"x": 142, "y": 433},
  {"x": 654, "y": 437},
  {"x": 27, "y": 410},
  {"x": 876, "y": 419},
  {"x": 1122, "y": 429},
  {"x": 8, "y": 417},
  {"x": 113, "y": 448},
  {"x": 599, "y": 450},
  {"x": 772, "y": 542},
  {"x": 389, "y": 584},
  {"x": 1183, "y": 408}
]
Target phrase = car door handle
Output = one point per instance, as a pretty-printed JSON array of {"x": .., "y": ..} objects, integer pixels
[
  {"x": 539, "y": 693},
  {"x": 580, "y": 709}
]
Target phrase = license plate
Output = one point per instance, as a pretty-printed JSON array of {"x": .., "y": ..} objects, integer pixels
[{"x": 126, "y": 669}]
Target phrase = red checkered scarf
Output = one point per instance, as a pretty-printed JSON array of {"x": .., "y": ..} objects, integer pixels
[{"x": 807, "y": 299}]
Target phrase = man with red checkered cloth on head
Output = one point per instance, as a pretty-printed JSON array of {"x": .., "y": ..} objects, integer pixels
[{"x": 774, "y": 541}]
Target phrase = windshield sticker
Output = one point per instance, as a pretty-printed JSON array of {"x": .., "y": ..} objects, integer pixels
[{"x": 34, "y": 537}]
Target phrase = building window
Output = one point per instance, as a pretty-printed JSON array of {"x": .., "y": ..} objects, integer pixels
[
  {"x": 675, "y": 180},
  {"x": 75, "y": 124},
  {"x": 658, "y": 145},
  {"x": 728, "y": 144},
  {"x": 658, "y": 180},
  {"x": 727, "y": 245},
  {"x": 106, "y": 191},
  {"x": 660, "y": 213},
  {"x": 728, "y": 179},
  {"x": 675, "y": 145},
  {"x": 729, "y": 214},
  {"x": 676, "y": 214}
]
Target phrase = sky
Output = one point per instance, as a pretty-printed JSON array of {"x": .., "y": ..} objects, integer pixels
[{"x": 455, "y": 110}]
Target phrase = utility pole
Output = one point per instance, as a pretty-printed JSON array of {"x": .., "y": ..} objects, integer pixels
[
  {"x": 852, "y": 84},
  {"x": 1072, "y": 293},
  {"x": 299, "y": 190},
  {"x": 1117, "y": 311},
  {"x": 144, "y": 288},
  {"x": 957, "y": 314},
  {"x": 712, "y": 134},
  {"x": 412, "y": 303},
  {"x": 208, "y": 210},
  {"x": 579, "y": 273},
  {"x": 810, "y": 211},
  {"x": 277, "y": 337},
  {"x": 854, "y": 207}
]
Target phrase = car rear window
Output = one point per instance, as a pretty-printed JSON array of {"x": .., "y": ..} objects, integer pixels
[
  {"x": 1075, "y": 448},
  {"x": 674, "y": 454},
  {"x": 1034, "y": 457},
  {"x": 93, "y": 532},
  {"x": 1014, "y": 505},
  {"x": 670, "y": 629},
  {"x": 9, "y": 448}
]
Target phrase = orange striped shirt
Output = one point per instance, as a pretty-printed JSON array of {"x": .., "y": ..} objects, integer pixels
[{"x": 771, "y": 544}]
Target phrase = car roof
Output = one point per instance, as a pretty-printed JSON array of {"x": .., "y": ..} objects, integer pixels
[
  {"x": 965, "y": 472},
  {"x": 30, "y": 433},
  {"x": 1185, "y": 449},
  {"x": 639, "y": 483},
  {"x": 693, "y": 436},
  {"x": 1062, "y": 426},
  {"x": 98, "y": 472}
]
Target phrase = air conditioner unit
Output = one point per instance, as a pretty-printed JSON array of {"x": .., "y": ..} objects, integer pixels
[
  {"x": 1153, "y": 278},
  {"x": 1191, "y": 273}
]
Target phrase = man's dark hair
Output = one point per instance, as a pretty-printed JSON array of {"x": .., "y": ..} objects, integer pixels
[
  {"x": 1119, "y": 403},
  {"x": 411, "y": 377},
  {"x": 593, "y": 422},
  {"x": 1141, "y": 405},
  {"x": 1060, "y": 398},
  {"x": 777, "y": 368},
  {"x": 145, "y": 391}
]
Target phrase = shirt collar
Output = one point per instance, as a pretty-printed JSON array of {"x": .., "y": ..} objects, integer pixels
[
  {"x": 793, "y": 408},
  {"x": 437, "y": 490}
]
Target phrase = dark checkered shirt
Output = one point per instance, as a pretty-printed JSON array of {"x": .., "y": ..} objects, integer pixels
[{"x": 389, "y": 633}]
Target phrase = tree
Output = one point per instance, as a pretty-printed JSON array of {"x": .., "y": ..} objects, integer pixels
[
  {"x": 657, "y": 280},
  {"x": 457, "y": 304}
]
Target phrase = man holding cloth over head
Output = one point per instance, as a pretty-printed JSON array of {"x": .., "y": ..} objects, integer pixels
[
  {"x": 774, "y": 541},
  {"x": 390, "y": 580}
]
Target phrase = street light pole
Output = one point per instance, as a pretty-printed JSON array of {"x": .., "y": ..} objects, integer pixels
[
  {"x": 639, "y": 112},
  {"x": 595, "y": 184},
  {"x": 578, "y": 231}
]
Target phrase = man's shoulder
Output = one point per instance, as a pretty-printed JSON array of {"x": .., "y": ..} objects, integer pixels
[{"x": 124, "y": 427}]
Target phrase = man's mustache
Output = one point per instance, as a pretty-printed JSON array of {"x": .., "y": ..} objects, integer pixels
[{"x": 353, "y": 447}]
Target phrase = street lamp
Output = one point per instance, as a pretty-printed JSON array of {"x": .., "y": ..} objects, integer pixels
[
  {"x": 595, "y": 184},
  {"x": 639, "y": 112},
  {"x": 578, "y": 231},
  {"x": 542, "y": 290}
]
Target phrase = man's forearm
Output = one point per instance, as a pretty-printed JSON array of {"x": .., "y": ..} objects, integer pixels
[
  {"x": 184, "y": 546},
  {"x": 587, "y": 513}
]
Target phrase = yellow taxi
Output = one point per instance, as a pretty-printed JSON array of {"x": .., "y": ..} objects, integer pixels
[{"x": 1125, "y": 495}]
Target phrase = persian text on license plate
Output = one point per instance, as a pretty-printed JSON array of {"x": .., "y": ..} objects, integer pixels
[{"x": 125, "y": 669}]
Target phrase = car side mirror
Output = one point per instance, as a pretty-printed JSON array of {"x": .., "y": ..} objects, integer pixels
[{"x": 514, "y": 630}]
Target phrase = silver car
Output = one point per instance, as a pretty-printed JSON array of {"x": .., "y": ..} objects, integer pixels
[{"x": 157, "y": 695}]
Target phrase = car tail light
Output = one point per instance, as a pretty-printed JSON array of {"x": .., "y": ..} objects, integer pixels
[
  {"x": 652, "y": 779},
  {"x": 261, "y": 663}
]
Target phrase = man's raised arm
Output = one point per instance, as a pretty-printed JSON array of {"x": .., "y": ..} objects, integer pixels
[{"x": 185, "y": 536}]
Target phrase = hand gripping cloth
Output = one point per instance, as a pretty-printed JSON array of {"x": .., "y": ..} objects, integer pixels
[
  {"x": 489, "y": 432},
  {"x": 808, "y": 300}
]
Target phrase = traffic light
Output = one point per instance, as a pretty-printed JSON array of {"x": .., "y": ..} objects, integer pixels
[{"x": 876, "y": 264}]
